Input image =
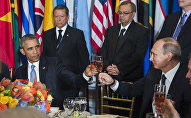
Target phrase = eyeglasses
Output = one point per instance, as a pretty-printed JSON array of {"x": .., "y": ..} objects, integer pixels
[{"x": 124, "y": 13}]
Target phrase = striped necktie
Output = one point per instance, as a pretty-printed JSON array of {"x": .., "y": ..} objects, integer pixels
[{"x": 178, "y": 28}]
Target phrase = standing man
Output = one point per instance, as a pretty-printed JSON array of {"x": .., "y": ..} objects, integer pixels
[
  {"x": 165, "y": 56},
  {"x": 178, "y": 26},
  {"x": 48, "y": 70},
  {"x": 66, "y": 42},
  {"x": 125, "y": 46}
]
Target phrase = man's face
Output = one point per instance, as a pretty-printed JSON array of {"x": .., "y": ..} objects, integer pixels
[
  {"x": 159, "y": 60},
  {"x": 60, "y": 18},
  {"x": 125, "y": 14},
  {"x": 188, "y": 75},
  {"x": 31, "y": 49},
  {"x": 185, "y": 4}
]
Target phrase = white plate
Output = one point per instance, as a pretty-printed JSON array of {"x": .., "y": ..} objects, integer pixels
[{"x": 64, "y": 115}]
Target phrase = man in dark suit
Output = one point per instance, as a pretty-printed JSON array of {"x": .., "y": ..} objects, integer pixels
[
  {"x": 49, "y": 70},
  {"x": 171, "y": 25},
  {"x": 165, "y": 56},
  {"x": 70, "y": 45},
  {"x": 124, "y": 53}
]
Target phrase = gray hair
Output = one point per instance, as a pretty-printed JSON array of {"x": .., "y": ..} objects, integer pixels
[
  {"x": 61, "y": 7},
  {"x": 133, "y": 6},
  {"x": 27, "y": 37},
  {"x": 171, "y": 45}
]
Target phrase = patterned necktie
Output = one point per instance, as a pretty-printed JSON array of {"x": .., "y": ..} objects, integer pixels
[
  {"x": 163, "y": 79},
  {"x": 121, "y": 33},
  {"x": 59, "y": 36},
  {"x": 33, "y": 73},
  {"x": 178, "y": 29}
]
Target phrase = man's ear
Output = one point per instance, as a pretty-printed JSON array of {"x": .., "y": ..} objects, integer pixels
[
  {"x": 170, "y": 55},
  {"x": 22, "y": 51}
]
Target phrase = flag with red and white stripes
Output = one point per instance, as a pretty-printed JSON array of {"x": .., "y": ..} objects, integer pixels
[
  {"x": 39, "y": 19},
  {"x": 102, "y": 19}
]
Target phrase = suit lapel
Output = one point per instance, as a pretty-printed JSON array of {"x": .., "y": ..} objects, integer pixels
[
  {"x": 25, "y": 71},
  {"x": 64, "y": 39},
  {"x": 125, "y": 37},
  {"x": 114, "y": 42},
  {"x": 42, "y": 69},
  {"x": 185, "y": 27},
  {"x": 53, "y": 36}
]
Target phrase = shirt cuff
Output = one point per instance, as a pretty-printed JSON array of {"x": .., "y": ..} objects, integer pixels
[
  {"x": 115, "y": 87},
  {"x": 86, "y": 77}
]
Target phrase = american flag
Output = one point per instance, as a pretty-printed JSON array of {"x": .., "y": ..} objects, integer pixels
[{"x": 102, "y": 18}]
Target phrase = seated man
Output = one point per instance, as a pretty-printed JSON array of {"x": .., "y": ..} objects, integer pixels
[
  {"x": 165, "y": 56},
  {"x": 49, "y": 70}
]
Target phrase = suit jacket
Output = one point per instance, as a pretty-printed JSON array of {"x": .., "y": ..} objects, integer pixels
[
  {"x": 184, "y": 36},
  {"x": 180, "y": 90},
  {"x": 56, "y": 77},
  {"x": 128, "y": 54},
  {"x": 72, "y": 50},
  {"x": 4, "y": 71}
]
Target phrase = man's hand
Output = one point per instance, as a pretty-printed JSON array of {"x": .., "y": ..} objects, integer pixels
[
  {"x": 104, "y": 78},
  {"x": 90, "y": 71},
  {"x": 113, "y": 70}
]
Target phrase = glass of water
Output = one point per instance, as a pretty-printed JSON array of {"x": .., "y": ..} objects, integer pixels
[
  {"x": 69, "y": 105},
  {"x": 80, "y": 104}
]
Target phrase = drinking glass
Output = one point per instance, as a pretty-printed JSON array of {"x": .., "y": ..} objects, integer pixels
[
  {"x": 93, "y": 66},
  {"x": 80, "y": 104},
  {"x": 69, "y": 105},
  {"x": 159, "y": 95},
  {"x": 99, "y": 63},
  {"x": 153, "y": 115}
]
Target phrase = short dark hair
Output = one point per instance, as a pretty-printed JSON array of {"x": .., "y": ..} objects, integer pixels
[
  {"x": 171, "y": 45},
  {"x": 133, "y": 6},
  {"x": 61, "y": 7},
  {"x": 27, "y": 37}
]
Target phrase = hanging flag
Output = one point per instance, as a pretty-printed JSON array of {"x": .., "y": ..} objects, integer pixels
[
  {"x": 175, "y": 6},
  {"x": 161, "y": 11},
  {"x": 27, "y": 17},
  {"x": 6, "y": 45},
  {"x": 39, "y": 19},
  {"x": 70, "y": 4},
  {"x": 16, "y": 32},
  {"x": 82, "y": 21},
  {"x": 100, "y": 22},
  {"x": 48, "y": 15}
]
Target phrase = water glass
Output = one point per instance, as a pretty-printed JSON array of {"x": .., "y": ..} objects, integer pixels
[
  {"x": 153, "y": 115},
  {"x": 80, "y": 104},
  {"x": 69, "y": 105}
]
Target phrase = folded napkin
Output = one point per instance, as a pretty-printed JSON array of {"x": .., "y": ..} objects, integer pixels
[{"x": 103, "y": 116}]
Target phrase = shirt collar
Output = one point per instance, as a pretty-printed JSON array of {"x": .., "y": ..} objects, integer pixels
[
  {"x": 63, "y": 30},
  {"x": 170, "y": 74},
  {"x": 126, "y": 27},
  {"x": 188, "y": 13},
  {"x": 35, "y": 63}
]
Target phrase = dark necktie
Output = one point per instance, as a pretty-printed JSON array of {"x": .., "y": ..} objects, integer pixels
[
  {"x": 178, "y": 29},
  {"x": 163, "y": 79},
  {"x": 59, "y": 36},
  {"x": 121, "y": 33},
  {"x": 33, "y": 73}
]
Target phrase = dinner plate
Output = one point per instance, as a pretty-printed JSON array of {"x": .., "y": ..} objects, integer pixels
[{"x": 83, "y": 115}]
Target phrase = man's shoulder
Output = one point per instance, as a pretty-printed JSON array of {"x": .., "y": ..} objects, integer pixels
[{"x": 73, "y": 29}]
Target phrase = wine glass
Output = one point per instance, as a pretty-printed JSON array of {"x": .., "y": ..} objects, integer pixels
[
  {"x": 93, "y": 66},
  {"x": 80, "y": 104},
  {"x": 153, "y": 115},
  {"x": 99, "y": 63},
  {"x": 69, "y": 105},
  {"x": 159, "y": 94}
]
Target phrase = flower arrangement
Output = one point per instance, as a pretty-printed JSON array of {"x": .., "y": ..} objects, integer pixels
[{"x": 24, "y": 93}]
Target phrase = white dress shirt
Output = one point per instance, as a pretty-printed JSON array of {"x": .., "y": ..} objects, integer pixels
[
  {"x": 63, "y": 30},
  {"x": 36, "y": 69}
]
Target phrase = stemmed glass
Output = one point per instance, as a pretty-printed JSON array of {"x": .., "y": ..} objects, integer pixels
[
  {"x": 69, "y": 105},
  {"x": 99, "y": 63},
  {"x": 93, "y": 66},
  {"x": 80, "y": 104},
  {"x": 159, "y": 94}
]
